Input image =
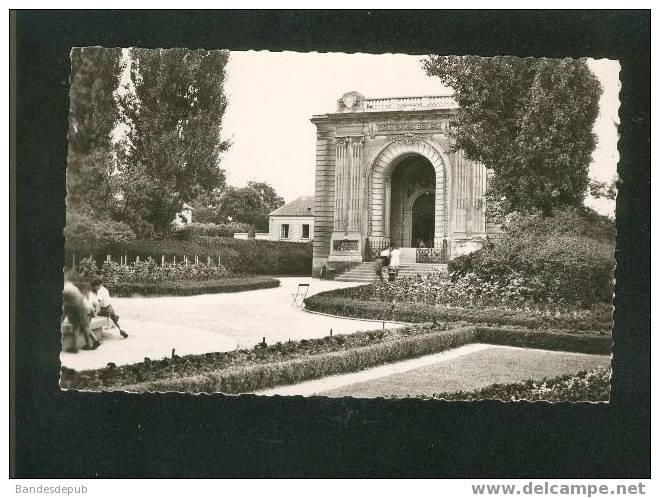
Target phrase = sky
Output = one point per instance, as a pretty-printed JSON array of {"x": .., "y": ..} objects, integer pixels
[{"x": 273, "y": 95}]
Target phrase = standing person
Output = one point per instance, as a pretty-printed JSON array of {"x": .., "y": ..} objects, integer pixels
[
  {"x": 383, "y": 259},
  {"x": 395, "y": 260},
  {"x": 105, "y": 304}
]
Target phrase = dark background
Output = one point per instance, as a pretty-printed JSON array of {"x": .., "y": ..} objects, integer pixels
[{"x": 70, "y": 434}]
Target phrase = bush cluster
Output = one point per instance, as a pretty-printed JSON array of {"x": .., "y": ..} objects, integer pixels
[
  {"x": 566, "y": 258},
  {"x": 591, "y": 385},
  {"x": 359, "y": 302},
  {"x": 192, "y": 288},
  {"x": 468, "y": 290},
  {"x": 266, "y": 366},
  {"x": 237, "y": 256},
  {"x": 84, "y": 228}
]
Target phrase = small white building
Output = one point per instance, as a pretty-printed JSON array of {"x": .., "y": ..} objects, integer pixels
[{"x": 294, "y": 221}]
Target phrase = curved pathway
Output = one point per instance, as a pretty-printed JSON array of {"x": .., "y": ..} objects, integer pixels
[{"x": 214, "y": 322}]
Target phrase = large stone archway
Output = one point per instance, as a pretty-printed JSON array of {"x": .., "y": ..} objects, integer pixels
[
  {"x": 380, "y": 187},
  {"x": 357, "y": 148}
]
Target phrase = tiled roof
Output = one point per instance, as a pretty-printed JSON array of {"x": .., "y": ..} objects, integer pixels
[{"x": 302, "y": 206}]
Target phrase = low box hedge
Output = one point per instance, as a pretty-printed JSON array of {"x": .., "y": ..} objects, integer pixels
[
  {"x": 296, "y": 361},
  {"x": 334, "y": 303},
  {"x": 192, "y": 288},
  {"x": 253, "y": 378}
]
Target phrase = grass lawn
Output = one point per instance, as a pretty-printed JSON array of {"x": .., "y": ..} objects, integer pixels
[{"x": 474, "y": 371}]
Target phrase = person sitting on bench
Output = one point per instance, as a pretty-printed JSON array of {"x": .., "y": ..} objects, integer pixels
[
  {"x": 105, "y": 304},
  {"x": 78, "y": 310}
]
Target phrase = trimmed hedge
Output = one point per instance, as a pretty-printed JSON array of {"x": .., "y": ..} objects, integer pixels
[
  {"x": 591, "y": 386},
  {"x": 190, "y": 230},
  {"x": 297, "y": 361},
  {"x": 192, "y": 288},
  {"x": 340, "y": 303},
  {"x": 254, "y": 257},
  {"x": 553, "y": 340},
  {"x": 254, "y": 378}
]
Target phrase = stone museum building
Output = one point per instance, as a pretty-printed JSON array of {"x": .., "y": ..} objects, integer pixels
[{"x": 386, "y": 172}]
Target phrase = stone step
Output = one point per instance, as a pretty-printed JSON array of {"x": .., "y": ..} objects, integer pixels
[{"x": 366, "y": 272}]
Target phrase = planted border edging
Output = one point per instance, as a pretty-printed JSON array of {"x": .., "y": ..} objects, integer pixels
[
  {"x": 193, "y": 288},
  {"x": 246, "y": 379},
  {"x": 588, "y": 385},
  {"x": 254, "y": 378},
  {"x": 335, "y": 303},
  {"x": 553, "y": 341}
]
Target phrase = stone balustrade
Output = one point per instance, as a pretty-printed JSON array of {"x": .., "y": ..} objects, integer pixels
[{"x": 407, "y": 103}]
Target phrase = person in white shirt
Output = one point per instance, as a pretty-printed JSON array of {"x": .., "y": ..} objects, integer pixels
[
  {"x": 105, "y": 304},
  {"x": 395, "y": 257}
]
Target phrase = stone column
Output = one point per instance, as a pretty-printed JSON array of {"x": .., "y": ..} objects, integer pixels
[
  {"x": 387, "y": 206},
  {"x": 356, "y": 214},
  {"x": 341, "y": 182}
]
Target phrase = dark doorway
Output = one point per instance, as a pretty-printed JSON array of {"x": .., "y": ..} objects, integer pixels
[{"x": 423, "y": 220}]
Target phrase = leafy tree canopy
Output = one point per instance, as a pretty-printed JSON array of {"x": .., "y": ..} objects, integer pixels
[
  {"x": 92, "y": 117},
  {"x": 530, "y": 120},
  {"x": 174, "y": 117},
  {"x": 270, "y": 199}
]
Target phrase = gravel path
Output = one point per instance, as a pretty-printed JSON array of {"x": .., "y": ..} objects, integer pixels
[{"x": 213, "y": 322}]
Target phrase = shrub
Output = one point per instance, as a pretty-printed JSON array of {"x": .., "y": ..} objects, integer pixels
[
  {"x": 192, "y": 288},
  {"x": 592, "y": 385},
  {"x": 83, "y": 228},
  {"x": 568, "y": 257},
  {"x": 350, "y": 302}
]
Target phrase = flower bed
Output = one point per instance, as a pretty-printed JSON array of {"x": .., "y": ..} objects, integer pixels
[
  {"x": 347, "y": 302},
  {"x": 254, "y": 257},
  {"x": 192, "y": 288},
  {"x": 295, "y": 361},
  {"x": 592, "y": 385},
  {"x": 149, "y": 272},
  {"x": 466, "y": 291}
]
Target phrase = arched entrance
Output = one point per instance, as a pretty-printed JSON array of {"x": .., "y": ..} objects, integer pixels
[
  {"x": 423, "y": 217},
  {"x": 391, "y": 199},
  {"x": 412, "y": 201}
]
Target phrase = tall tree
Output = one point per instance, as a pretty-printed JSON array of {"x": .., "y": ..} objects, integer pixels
[
  {"x": 244, "y": 205},
  {"x": 269, "y": 197},
  {"x": 173, "y": 145},
  {"x": 530, "y": 120},
  {"x": 92, "y": 118}
]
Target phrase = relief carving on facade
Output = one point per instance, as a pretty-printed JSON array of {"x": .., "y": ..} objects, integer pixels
[{"x": 409, "y": 138}]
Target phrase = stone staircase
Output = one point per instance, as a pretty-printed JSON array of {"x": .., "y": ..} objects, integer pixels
[{"x": 366, "y": 272}]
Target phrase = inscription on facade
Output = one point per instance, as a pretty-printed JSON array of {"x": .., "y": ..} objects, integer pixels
[{"x": 421, "y": 126}]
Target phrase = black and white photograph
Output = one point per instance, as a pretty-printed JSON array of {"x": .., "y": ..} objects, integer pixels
[
  {"x": 439, "y": 227},
  {"x": 337, "y": 244}
]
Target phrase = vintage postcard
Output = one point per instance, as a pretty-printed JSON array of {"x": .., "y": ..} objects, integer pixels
[{"x": 282, "y": 223}]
